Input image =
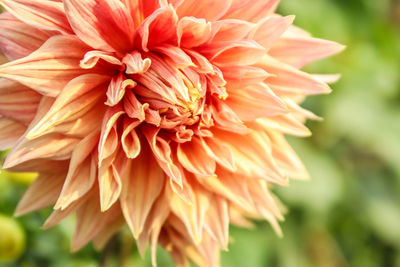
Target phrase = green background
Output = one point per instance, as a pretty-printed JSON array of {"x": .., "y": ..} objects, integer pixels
[{"x": 348, "y": 214}]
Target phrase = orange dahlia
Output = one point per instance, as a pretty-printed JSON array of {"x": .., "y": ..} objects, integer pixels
[{"x": 167, "y": 115}]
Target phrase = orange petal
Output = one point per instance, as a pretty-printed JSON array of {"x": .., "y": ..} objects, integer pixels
[
  {"x": 42, "y": 193},
  {"x": 130, "y": 140},
  {"x": 158, "y": 28},
  {"x": 90, "y": 221},
  {"x": 81, "y": 174},
  {"x": 220, "y": 152},
  {"x": 176, "y": 54},
  {"x": 109, "y": 178},
  {"x": 146, "y": 179},
  {"x": 133, "y": 108},
  {"x": 252, "y": 154},
  {"x": 255, "y": 101},
  {"x": 238, "y": 77},
  {"x": 194, "y": 158},
  {"x": 192, "y": 215},
  {"x": 51, "y": 67},
  {"x": 141, "y": 9},
  {"x": 75, "y": 99},
  {"x": 102, "y": 24},
  {"x": 116, "y": 89},
  {"x": 91, "y": 58},
  {"x": 229, "y": 30},
  {"x": 163, "y": 154},
  {"x": 101, "y": 239},
  {"x": 193, "y": 32},
  {"x": 18, "y": 39},
  {"x": 109, "y": 137},
  {"x": 287, "y": 124},
  {"x": 51, "y": 146},
  {"x": 245, "y": 52},
  {"x": 135, "y": 64},
  {"x": 44, "y": 14},
  {"x": 58, "y": 215},
  {"x": 226, "y": 119}
]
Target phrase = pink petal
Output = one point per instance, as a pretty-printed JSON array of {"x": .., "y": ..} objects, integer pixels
[
  {"x": 158, "y": 28},
  {"x": 270, "y": 29},
  {"x": 43, "y": 14},
  {"x": 18, "y": 102},
  {"x": 287, "y": 80},
  {"x": 10, "y": 132},
  {"x": 193, "y": 32},
  {"x": 251, "y": 10},
  {"x": 208, "y": 9},
  {"x": 298, "y": 51},
  {"x": 135, "y": 64},
  {"x": 102, "y": 24},
  {"x": 18, "y": 39}
]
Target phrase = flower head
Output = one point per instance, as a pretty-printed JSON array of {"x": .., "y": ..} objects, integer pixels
[{"x": 167, "y": 115}]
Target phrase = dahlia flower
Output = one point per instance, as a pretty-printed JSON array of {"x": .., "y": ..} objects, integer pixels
[{"x": 166, "y": 115}]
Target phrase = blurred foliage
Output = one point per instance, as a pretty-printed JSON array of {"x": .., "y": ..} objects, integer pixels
[{"x": 348, "y": 214}]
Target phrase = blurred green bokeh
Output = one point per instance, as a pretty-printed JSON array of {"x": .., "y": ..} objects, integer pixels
[{"x": 349, "y": 213}]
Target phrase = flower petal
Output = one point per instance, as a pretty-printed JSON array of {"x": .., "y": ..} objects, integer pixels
[
  {"x": 255, "y": 101},
  {"x": 90, "y": 221},
  {"x": 270, "y": 29},
  {"x": 76, "y": 99},
  {"x": 102, "y": 24},
  {"x": 130, "y": 140},
  {"x": 18, "y": 102},
  {"x": 43, "y": 14},
  {"x": 298, "y": 51},
  {"x": 251, "y": 10},
  {"x": 287, "y": 80},
  {"x": 194, "y": 158},
  {"x": 42, "y": 193},
  {"x": 51, "y": 67},
  {"x": 193, "y": 32},
  {"x": 10, "y": 132},
  {"x": 81, "y": 174},
  {"x": 208, "y": 9},
  {"x": 158, "y": 28},
  {"x": 146, "y": 179},
  {"x": 18, "y": 39}
]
